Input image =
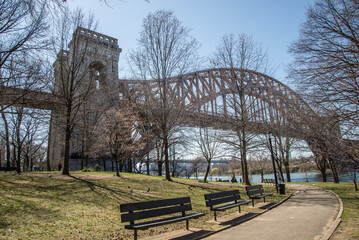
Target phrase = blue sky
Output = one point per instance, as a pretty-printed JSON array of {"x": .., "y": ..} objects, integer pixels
[{"x": 272, "y": 23}]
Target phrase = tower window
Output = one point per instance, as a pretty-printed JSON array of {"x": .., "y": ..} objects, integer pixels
[{"x": 97, "y": 84}]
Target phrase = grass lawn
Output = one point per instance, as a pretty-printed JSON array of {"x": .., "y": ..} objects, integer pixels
[
  {"x": 349, "y": 227},
  {"x": 86, "y": 205}
]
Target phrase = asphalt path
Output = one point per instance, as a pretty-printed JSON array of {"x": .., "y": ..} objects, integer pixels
[{"x": 308, "y": 214}]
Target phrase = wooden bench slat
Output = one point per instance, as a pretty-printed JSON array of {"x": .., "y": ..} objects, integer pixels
[
  {"x": 254, "y": 187},
  {"x": 218, "y": 201},
  {"x": 262, "y": 196},
  {"x": 220, "y": 194},
  {"x": 253, "y": 191},
  {"x": 225, "y": 207},
  {"x": 127, "y": 207},
  {"x": 128, "y": 217},
  {"x": 143, "y": 226}
]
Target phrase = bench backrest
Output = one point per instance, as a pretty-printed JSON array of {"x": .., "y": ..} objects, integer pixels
[
  {"x": 142, "y": 210},
  {"x": 213, "y": 199},
  {"x": 254, "y": 190}
]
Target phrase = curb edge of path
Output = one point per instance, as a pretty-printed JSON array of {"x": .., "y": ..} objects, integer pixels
[
  {"x": 329, "y": 233},
  {"x": 258, "y": 214}
]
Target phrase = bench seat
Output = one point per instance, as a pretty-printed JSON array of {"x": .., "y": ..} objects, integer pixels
[
  {"x": 262, "y": 196},
  {"x": 222, "y": 201},
  {"x": 227, "y": 206},
  {"x": 159, "y": 222}
]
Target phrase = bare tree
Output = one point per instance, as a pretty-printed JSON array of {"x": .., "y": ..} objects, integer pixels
[
  {"x": 282, "y": 147},
  {"x": 73, "y": 83},
  {"x": 120, "y": 135},
  {"x": 326, "y": 59},
  {"x": 22, "y": 27},
  {"x": 22, "y": 30},
  {"x": 197, "y": 165},
  {"x": 241, "y": 53},
  {"x": 165, "y": 49},
  {"x": 207, "y": 140},
  {"x": 260, "y": 164}
]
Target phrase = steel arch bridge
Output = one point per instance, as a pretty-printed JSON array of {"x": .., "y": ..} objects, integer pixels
[{"x": 220, "y": 97}]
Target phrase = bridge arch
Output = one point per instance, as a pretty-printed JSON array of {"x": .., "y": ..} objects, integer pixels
[{"x": 216, "y": 94}]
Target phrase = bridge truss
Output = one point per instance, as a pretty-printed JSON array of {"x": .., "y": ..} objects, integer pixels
[{"x": 223, "y": 98}]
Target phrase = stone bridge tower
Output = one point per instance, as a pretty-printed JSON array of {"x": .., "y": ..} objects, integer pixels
[{"x": 97, "y": 56}]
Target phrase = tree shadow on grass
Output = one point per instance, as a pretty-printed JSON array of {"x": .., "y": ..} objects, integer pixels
[
  {"x": 210, "y": 188},
  {"x": 115, "y": 193}
]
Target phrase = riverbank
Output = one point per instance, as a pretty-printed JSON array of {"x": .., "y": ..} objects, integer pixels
[{"x": 295, "y": 177}]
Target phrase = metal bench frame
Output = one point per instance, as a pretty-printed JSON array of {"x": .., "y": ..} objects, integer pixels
[
  {"x": 132, "y": 212},
  {"x": 256, "y": 192},
  {"x": 232, "y": 198}
]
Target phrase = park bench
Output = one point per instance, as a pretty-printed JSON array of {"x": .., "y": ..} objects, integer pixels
[
  {"x": 256, "y": 192},
  {"x": 222, "y": 201},
  {"x": 8, "y": 169},
  {"x": 132, "y": 212},
  {"x": 268, "y": 181}
]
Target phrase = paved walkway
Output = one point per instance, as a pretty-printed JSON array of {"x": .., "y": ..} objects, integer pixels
[{"x": 309, "y": 214}]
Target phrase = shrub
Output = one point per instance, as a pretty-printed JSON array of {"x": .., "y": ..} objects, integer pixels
[{"x": 97, "y": 168}]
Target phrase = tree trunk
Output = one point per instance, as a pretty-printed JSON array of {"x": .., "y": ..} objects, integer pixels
[
  {"x": 18, "y": 139},
  {"x": 104, "y": 164},
  {"x": 159, "y": 160},
  {"x": 159, "y": 166},
  {"x": 323, "y": 171},
  {"x": 116, "y": 163},
  {"x": 66, "y": 169},
  {"x": 286, "y": 160},
  {"x": 129, "y": 163},
  {"x": 287, "y": 172},
  {"x": 207, "y": 171},
  {"x": 333, "y": 168},
  {"x": 245, "y": 172},
  {"x": 82, "y": 162},
  {"x": 148, "y": 163},
  {"x": 167, "y": 164},
  {"x": 355, "y": 181},
  {"x": 48, "y": 165},
  {"x": 7, "y": 138},
  {"x": 280, "y": 169}
]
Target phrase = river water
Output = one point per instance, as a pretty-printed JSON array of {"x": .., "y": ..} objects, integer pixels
[{"x": 296, "y": 177}]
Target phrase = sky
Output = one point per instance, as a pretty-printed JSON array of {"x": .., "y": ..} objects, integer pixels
[{"x": 272, "y": 23}]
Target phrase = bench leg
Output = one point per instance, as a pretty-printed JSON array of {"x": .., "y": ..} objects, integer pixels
[
  {"x": 264, "y": 199},
  {"x": 135, "y": 234},
  {"x": 187, "y": 225},
  {"x": 252, "y": 202},
  {"x": 239, "y": 208},
  {"x": 215, "y": 216}
]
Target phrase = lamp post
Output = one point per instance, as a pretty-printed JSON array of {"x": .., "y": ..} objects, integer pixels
[{"x": 272, "y": 155}]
